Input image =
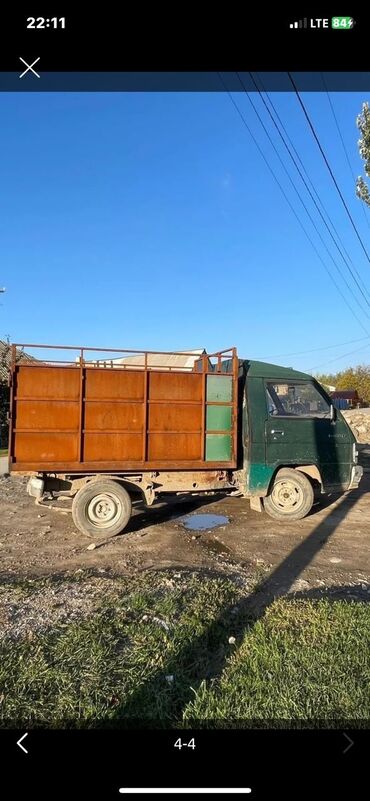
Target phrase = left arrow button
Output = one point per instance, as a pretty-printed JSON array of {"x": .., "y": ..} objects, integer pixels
[{"x": 19, "y": 742}]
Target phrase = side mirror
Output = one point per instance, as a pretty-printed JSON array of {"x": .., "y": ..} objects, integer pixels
[{"x": 332, "y": 413}]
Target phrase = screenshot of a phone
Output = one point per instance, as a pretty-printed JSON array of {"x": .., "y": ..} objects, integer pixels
[{"x": 184, "y": 405}]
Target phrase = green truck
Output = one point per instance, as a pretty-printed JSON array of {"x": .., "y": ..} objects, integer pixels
[
  {"x": 295, "y": 442},
  {"x": 103, "y": 431}
]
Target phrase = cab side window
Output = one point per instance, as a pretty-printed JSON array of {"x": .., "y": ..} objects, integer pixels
[{"x": 295, "y": 399}]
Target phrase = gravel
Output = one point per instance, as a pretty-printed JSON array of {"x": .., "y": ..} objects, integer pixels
[
  {"x": 359, "y": 420},
  {"x": 30, "y": 609}
]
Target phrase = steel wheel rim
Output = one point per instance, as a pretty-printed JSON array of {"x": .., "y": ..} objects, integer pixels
[
  {"x": 103, "y": 510},
  {"x": 287, "y": 496}
]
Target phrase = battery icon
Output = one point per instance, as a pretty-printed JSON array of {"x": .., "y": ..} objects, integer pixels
[{"x": 342, "y": 23}]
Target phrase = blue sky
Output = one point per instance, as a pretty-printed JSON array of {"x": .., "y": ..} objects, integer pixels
[{"x": 151, "y": 221}]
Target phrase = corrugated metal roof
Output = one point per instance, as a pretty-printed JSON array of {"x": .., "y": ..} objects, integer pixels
[{"x": 346, "y": 394}]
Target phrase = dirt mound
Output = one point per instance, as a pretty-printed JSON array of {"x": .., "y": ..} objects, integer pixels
[{"x": 359, "y": 420}]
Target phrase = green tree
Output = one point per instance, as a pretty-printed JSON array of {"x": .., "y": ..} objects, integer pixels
[
  {"x": 353, "y": 378},
  {"x": 356, "y": 378},
  {"x": 5, "y": 359},
  {"x": 4, "y": 393},
  {"x": 326, "y": 379},
  {"x": 363, "y": 124}
]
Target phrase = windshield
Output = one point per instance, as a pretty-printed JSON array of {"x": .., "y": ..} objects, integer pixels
[{"x": 299, "y": 399}]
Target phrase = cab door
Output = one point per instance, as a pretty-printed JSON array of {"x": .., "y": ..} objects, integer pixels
[{"x": 299, "y": 431}]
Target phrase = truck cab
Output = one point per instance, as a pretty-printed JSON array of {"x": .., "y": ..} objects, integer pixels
[{"x": 294, "y": 441}]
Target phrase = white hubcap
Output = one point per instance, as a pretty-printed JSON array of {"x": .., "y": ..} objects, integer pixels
[
  {"x": 103, "y": 510},
  {"x": 287, "y": 495}
]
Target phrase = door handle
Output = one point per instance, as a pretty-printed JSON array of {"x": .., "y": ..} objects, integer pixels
[{"x": 277, "y": 431}]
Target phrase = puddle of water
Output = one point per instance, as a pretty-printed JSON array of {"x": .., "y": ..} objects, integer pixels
[{"x": 203, "y": 522}]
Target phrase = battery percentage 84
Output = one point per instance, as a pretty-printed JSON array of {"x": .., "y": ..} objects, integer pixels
[{"x": 342, "y": 23}]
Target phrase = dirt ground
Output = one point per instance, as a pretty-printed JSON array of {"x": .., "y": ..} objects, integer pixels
[{"x": 330, "y": 548}]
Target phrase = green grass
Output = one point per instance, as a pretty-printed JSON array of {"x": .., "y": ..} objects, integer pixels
[{"x": 301, "y": 661}]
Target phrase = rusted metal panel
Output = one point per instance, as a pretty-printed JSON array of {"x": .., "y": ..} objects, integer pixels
[
  {"x": 175, "y": 386},
  {"x": 175, "y": 418},
  {"x": 104, "y": 415},
  {"x": 191, "y": 480},
  {"x": 36, "y": 415},
  {"x": 46, "y": 447},
  {"x": 117, "y": 467},
  {"x": 165, "y": 446},
  {"x": 145, "y": 410},
  {"x": 102, "y": 383},
  {"x": 48, "y": 383},
  {"x": 204, "y": 364},
  {"x": 113, "y": 447},
  {"x": 76, "y": 417},
  {"x": 81, "y": 411}
]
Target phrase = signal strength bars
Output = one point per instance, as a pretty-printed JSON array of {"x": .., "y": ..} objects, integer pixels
[{"x": 301, "y": 23}]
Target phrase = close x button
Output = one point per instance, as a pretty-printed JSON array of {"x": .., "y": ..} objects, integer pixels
[{"x": 29, "y": 67}]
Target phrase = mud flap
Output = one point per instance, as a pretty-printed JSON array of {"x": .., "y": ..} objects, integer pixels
[{"x": 255, "y": 503}]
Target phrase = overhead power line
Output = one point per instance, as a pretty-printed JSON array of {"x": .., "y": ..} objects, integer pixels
[
  {"x": 343, "y": 144},
  {"x": 336, "y": 265},
  {"x": 312, "y": 350},
  {"x": 317, "y": 140},
  {"x": 289, "y": 203},
  {"x": 286, "y": 138},
  {"x": 308, "y": 188},
  {"x": 323, "y": 364}
]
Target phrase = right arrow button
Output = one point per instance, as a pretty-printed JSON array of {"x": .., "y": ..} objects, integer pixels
[{"x": 349, "y": 741}]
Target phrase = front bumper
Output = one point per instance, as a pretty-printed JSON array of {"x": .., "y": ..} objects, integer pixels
[{"x": 356, "y": 476}]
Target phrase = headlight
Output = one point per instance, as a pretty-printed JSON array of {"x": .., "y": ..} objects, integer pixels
[{"x": 355, "y": 454}]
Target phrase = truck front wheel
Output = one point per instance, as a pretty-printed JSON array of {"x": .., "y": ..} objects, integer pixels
[
  {"x": 101, "y": 509},
  {"x": 291, "y": 496}
]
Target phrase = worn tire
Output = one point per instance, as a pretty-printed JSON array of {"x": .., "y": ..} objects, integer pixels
[
  {"x": 101, "y": 509},
  {"x": 291, "y": 495}
]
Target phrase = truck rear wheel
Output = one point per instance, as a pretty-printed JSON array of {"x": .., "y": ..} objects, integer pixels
[
  {"x": 101, "y": 509},
  {"x": 291, "y": 496}
]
